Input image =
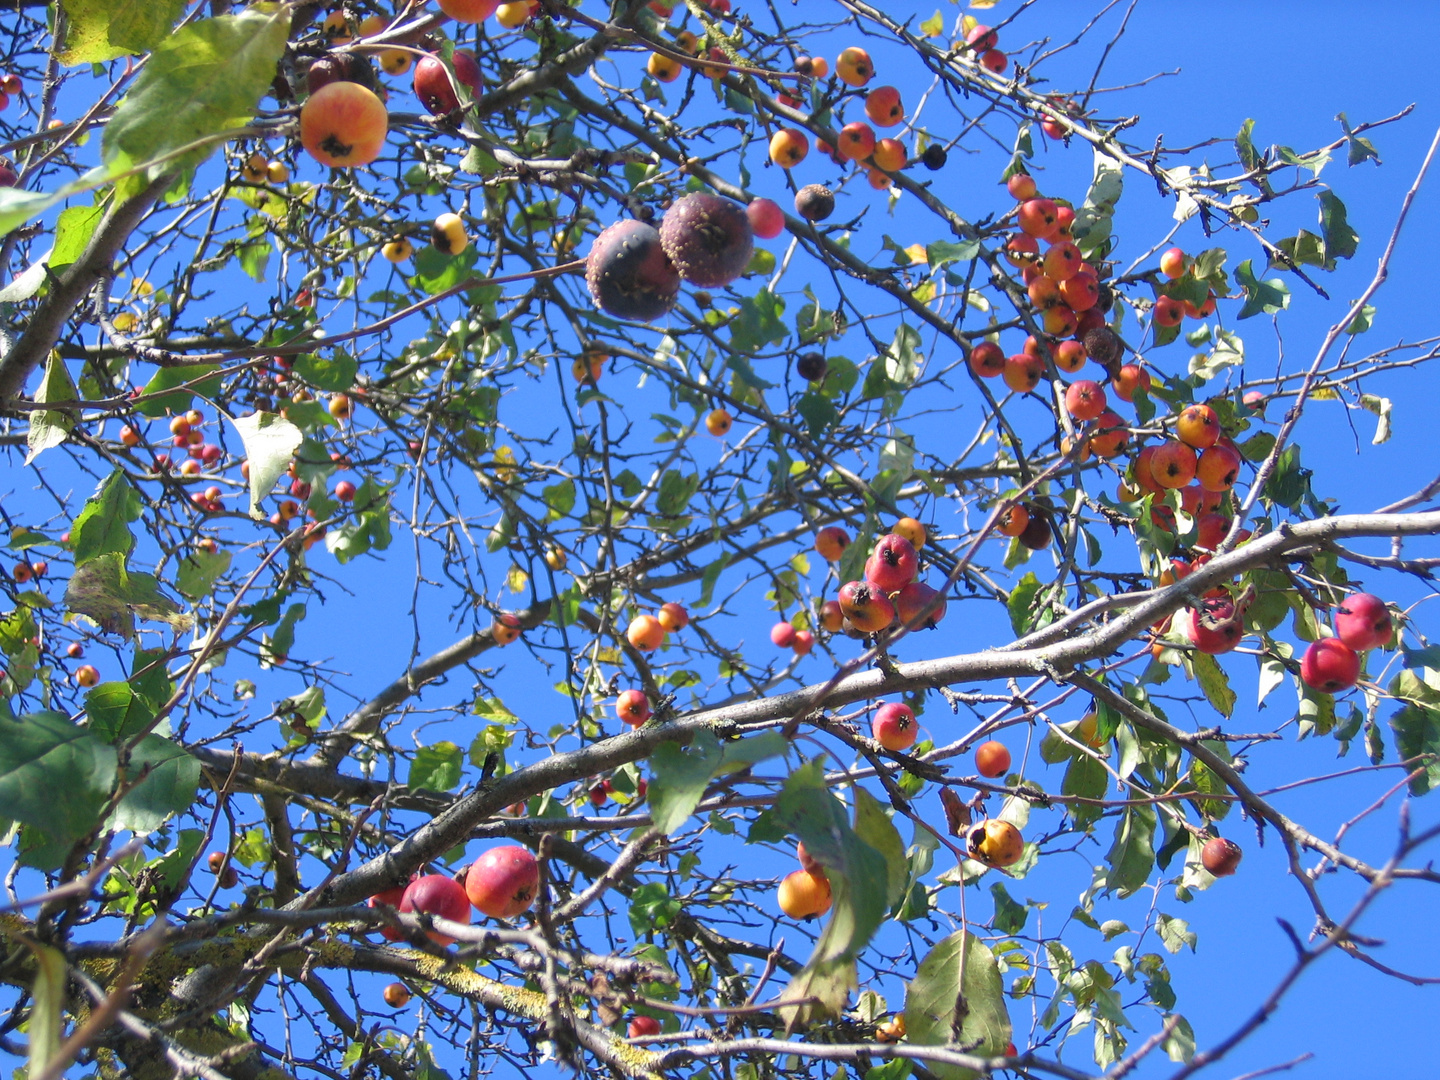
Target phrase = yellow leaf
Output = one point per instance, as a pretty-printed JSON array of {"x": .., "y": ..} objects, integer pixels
[
  {"x": 917, "y": 254},
  {"x": 516, "y": 579}
]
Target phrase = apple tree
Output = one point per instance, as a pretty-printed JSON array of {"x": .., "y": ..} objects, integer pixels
[{"x": 659, "y": 540}]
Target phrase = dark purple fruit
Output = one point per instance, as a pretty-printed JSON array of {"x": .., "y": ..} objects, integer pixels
[
  {"x": 811, "y": 366},
  {"x": 1037, "y": 531},
  {"x": 1105, "y": 298},
  {"x": 814, "y": 202},
  {"x": 340, "y": 67},
  {"x": 1104, "y": 348},
  {"x": 708, "y": 239},
  {"x": 934, "y": 157},
  {"x": 628, "y": 273},
  {"x": 8, "y": 176}
]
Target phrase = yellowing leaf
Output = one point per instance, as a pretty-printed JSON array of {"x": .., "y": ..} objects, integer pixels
[{"x": 516, "y": 579}]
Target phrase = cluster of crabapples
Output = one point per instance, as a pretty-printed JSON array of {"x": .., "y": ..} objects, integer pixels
[
  {"x": 192, "y": 456},
  {"x": 857, "y": 141},
  {"x": 889, "y": 592}
]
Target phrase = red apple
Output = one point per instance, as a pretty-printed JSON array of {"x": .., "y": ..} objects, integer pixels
[
  {"x": 1330, "y": 665},
  {"x": 439, "y": 895},
  {"x": 894, "y": 726},
  {"x": 503, "y": 882},
  {"x": 1363, "y": 622}
]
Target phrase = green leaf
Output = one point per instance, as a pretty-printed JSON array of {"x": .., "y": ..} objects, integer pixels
[
  {"x": 73, "y": 230},
  {"x": 676, "y": 491},
  {"x": 957, "y": 997},
  {"x": 1213, "y": 683},
  {"x": 198, "y": 572},
  {"x": 1175, "y": 933},
  {"x": 652, "y": 908},
  {"x": 170, "y": 779},
  {"x": 275, "y": 648},
  {"x": 270, "y": 444},
  {"x": 107, "y": 592},
  {"x": 1010, "y": 917},
  {"x": 559, "y": 499},
  {"x": 1358, "y": 148},
  {"x": 42, "y": 754},
  {"x": 1245, "y": 146},
  {"x": 203, "y": 80},
  {"x": 1022, "y": 600},
  {"x": 1088, "y": 779},
  {"x": 940, "y": 252},
  {"x": 1133, "y": 852},
  {"x": 436, "y": 768},
  {"x": 1265, "y": 297},
  {"x": 681, "y": 774},
  {"x": 1341, "y": 241},
  {"x": 100, "y": 30},
  {"x": 117, "y": 712},
  {"x": 102, "y": 526},
  {"x": 160, "y": 395},
  {"x": 1207, "y": 782},
  {"x": 1092, "y": 224},
  {"x": 435, "y": 272},
  {"x": 150, "y": 679},
  {"x": 49, "y": 427},
  {"x": 336, "y": 374},
  {"x": 874, "y": 827},
  {"x": 48, "y": 1002},
  {"x": 818, "y": 411},
  {"x": 1417, "y": 732}
]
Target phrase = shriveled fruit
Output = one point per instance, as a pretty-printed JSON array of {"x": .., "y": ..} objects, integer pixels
[
  {"x": 1037, "y": 533},
  {"x": 995, "y": 843},
  {"x": 814, "y": 202},
  {"x": 708, "y": 239},
  {"x": 628, "y": 273},
  {"x": 504, "y": 881},
  {"x": 804, "y": 895},
  {"x": 811, "y": 366},
  {"x": 343, "y": 124}
]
